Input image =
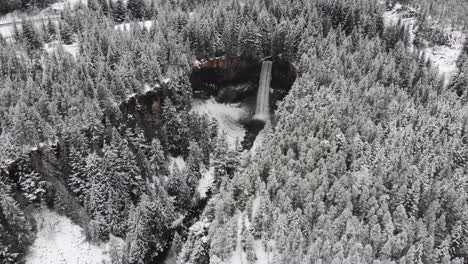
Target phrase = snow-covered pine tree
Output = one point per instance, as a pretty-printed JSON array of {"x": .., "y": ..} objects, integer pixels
[
  {"x": 136, "y": 8},
  {"x": 119, "y": 11},
  {"x": 250, "y": 42},
  {"x": 30, "y": 35},
  {"x": 66, "y": 34},
  {"x": 150, "y": 228}
]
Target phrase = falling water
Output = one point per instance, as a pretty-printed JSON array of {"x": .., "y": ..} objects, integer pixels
[{"x": 262, "y": 110}]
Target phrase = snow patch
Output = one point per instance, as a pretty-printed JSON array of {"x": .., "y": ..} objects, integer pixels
[
  {"x": 127, "y": 26},
  {"x": 72, "y": 4},
  {"x": 53, "y": 46},
  {"x": 258, "y": 142},
  {"x": 264, "y": 256},
  {"x": 264, "y": 252},
  {"x": 178, "y": 162},
  {"x": 255, "y": 206},
  {"x": 61, "y": 241},
  {"x": 205, "y": 182},
  {"x": 444, "y": 58},
  {"x": 228, "y": 117},
  {"x": 147, "y": 88}
]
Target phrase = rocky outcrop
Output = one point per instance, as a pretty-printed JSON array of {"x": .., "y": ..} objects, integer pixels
[{"x": 233, "y": 79}]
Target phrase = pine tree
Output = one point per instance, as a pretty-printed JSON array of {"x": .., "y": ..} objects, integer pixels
[
  {"x": 51, "y": 29},
  {"x": 15, "y": 228},
  {"x": 175, "y": 133},
  {"x": 157, "y": 159},
  {"x": 136, "y": 8},
  {"x": 30, "y": 35},
  {"x": 250, "y": 42},
  {"x": 66, "y": 34},
  {"x": 230, "y": 36},
  {"x": 150, "y": 230},
  {"x": 119, "y": 12}
]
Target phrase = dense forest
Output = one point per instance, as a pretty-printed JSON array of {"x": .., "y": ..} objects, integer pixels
[
  {"x": 364, "y": 161},
  {"x": 7, "y": 6}
]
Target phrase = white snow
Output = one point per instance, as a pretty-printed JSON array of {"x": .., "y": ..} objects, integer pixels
[
  {"x": 6, "y": 31},
  {"x": 227, "y": 116},
  {"x": 255, "y": 206},
  {"x": 258, "y": 142},
  {"x": 61, "y": 241},
  {"x": 72, "y": 4},
  {"x": 443, "y": 57},
  {"x": 7, "y": 22},
  {"x": 130, "y": 96},
  {"x": 127, "y": 26},
  {"x": 147, "y": 88},
  {"x": 205, "y": 182},
  {"x": 178, "y": 162},
  {"x": 53, "y": 46},
  {"x": 263, "y": 255}
]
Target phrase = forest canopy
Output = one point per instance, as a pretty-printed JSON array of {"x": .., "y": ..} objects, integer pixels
[{"x": 364, "y": 161}]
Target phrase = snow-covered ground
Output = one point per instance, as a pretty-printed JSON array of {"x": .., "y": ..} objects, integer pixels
[
  {"x": 205, "y": 182},
  {"x": 61, "y": 241},
  {"x": 227, "y": 116},
  {"x": 127, "y": 26},
  {"x": 61, "y": 5},
  {"x": 7, "y": 23},
  {"x": 443, "y": 57},
  {"x": 51, "y": 12},
  {"x": 263, "y": 255},
  {"x": 258, "y": 142},
  {"x": 73, "y": 49},
  {"x": 178, "y": 162}
]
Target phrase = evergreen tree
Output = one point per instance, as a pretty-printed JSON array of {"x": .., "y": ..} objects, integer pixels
[
  {"x": 150, "y": 230},
  {"x": 30, "y": 36},
  {"x": 136, "y": 8},
  {"x": 119, "y": 11},
  {"x": 66, "y": 34},
  {"x": 250, "y": 41}
]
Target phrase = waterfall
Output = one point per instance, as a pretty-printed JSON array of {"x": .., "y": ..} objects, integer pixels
[{"x": 262, "y": 110}]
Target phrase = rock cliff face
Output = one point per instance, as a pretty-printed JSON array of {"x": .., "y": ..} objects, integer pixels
[{"x": 234, "y": 79}]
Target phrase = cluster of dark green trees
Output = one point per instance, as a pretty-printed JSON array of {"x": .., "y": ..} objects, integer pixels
[{"x": 365, "y": 160}]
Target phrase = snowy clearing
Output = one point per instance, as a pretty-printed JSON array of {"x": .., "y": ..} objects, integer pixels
[
  {"x": 443, "y": 57},
  {"x": 61, "y": 241},
  {"x": 227, "y": 116},
  {"x": 127, "y": 26}
]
